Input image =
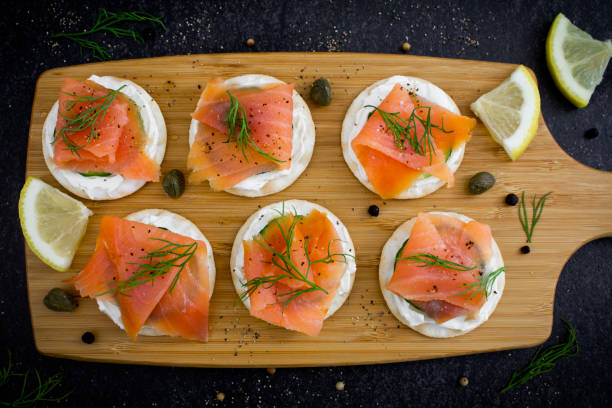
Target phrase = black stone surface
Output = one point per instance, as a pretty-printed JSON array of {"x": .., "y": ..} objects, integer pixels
[{"x": 485, "y": 30}]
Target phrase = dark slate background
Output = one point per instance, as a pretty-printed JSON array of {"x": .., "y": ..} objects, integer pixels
[{"x": 512, "y": 32}]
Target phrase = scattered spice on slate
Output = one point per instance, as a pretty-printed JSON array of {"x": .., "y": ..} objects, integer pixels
[
  {"x": 463, "y": 381},
  {"x": 250, "y": 42},
  {"x": 592, "y": 133},
  {"x": 406, "y": 46},
  {"x": 220, "y": 396},
  {"x": 88, "y": 337},
  {"x": 373, "y": 210},
  {"x": 512, "y": 199},
  {"x": 148, "y": 34},
  {"x": 271, "y": 370},
  {"x": 340, "y": 385},
  {"x": 525, "y": 249}
]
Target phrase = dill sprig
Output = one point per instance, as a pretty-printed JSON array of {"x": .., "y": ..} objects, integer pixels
[
  {"x": 87, "y": 119},
  {"x": 544, "y": 360},
  {"x": 535, "y": 214},
  {"x": 149, "y": 271},
  {"x": 239, "y": 130},
  {"x": 429, "y": 260},
  {"x": 107, "y": 21},
  {"x": 406, "y": 130},
  {"x": 283, "y": 261},
  {"x": 483, "y": 286},
  {"x": 29, "y": 397}
]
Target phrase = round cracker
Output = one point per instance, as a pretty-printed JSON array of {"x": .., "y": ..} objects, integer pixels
[
  {"x": 172, "y": 222},
  {"x": 303, "y": 142},
  {"x": 357, "y": 115},
  {"x": 417, "y": 320},
  {"x": 115, "y": 186},
  {"x": 262, "y": 217}
]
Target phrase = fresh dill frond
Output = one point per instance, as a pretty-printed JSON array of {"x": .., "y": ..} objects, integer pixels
[
  {"x": 108, "y": 21},
  {"x": 482, "y": 286},
  {"x": 427, "y": 260},
  {"x": 29, "y": 396},
  {"x": 286, "y": 266},
  {"x": 87, "y": 119},
  {"x": 536, "y": 213},
  {"x": 240, "y": 132},
  {"x": 545, "y": 359},
  {"x": 180, "y": 255},
  {"x": 405, "y": 131}
]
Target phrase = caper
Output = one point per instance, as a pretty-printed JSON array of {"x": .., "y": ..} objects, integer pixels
[
  {"x": 481, "y": 182},
  {"x": 320, "y": 92},
  {"x": 174, "y": 183},
  {"x": 57, "y": 299}
]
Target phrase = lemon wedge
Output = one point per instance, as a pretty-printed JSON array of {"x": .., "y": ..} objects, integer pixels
[
  {"x": 511, "y": 111},
  {"x": 53, "y": 223},
  {"x": 576, "y": 61}
]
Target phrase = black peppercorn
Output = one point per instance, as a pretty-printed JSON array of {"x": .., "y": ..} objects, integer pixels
[
  {"x": 373, "y": 210},
  {"x": 88, "y": 337},
  {"x": 525, "y": 249},
  {"x": 592, "y": 133},
  {"x": 512, "y": 199}
]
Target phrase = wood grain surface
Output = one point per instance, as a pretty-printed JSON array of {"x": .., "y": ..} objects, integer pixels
[{"x": 363, "y": 331}]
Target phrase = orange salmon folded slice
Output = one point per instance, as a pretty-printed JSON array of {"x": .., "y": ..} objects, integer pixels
[
  {"x": 269, "y": 114},
  {"x": 434, "y": 289},
  {"x": 121, "y": 248},
  {"x": 119, "y": 137},
  {"x": 391, "y": 170},
  {"x": 306, "y": 312}
]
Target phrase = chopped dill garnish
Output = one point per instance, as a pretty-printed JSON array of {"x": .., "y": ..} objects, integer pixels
[
  {"x": 239, "y": 130},
  {"x": 430, "y": 260},
  {"x": 535, "y": 215},
  {"x": 149, "y": 271},
  {"x": 107, "y": 21},
  {"x": 483, "y": 286},
  {"x": 406, "y": 130},
  {"x": 545, "y": 359},
  {"x": 286, "y": 266},
  {"x": 87, "y": 119}
]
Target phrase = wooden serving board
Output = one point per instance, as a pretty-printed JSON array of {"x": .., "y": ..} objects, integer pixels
[{"x": 363, "y": 331}]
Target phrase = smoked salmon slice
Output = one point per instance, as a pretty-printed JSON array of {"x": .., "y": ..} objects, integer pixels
[
  {"x": 176, "y": 307},
  {"x": 392, "y": 170},
  {"x": 269, "y": 114},
  {"x": 306, "y": 312},
  {"x": 116, "y": 146},
  {"x": 437, "y": 290}
]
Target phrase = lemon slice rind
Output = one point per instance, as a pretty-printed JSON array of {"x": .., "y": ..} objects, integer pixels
[
  {"x": 511, "y": 111},
  {"x": 43, "y": 212},
  {"x": 594, "y": 53}
]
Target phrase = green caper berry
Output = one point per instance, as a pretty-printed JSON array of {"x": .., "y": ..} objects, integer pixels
[
  {"x": 57, "y": 299},
  {"x": 320, "y": 92},
  {"x": 481, "y": 182},
  {"x": 174, "y": 183}
]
